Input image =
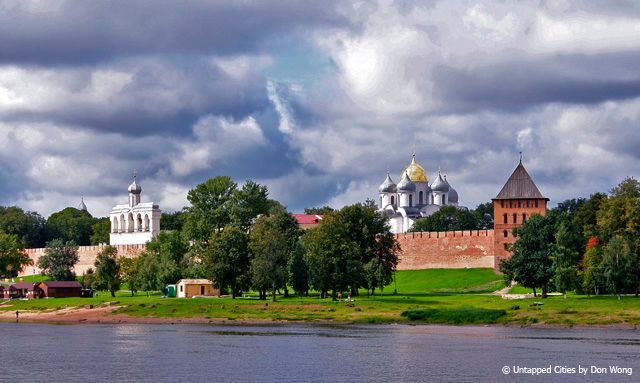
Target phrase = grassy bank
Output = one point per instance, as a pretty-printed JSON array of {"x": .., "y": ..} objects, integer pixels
[{"x": 431, "y": 296}]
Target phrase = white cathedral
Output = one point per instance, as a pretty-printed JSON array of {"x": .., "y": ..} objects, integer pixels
[
  {"x": 135, "y": 223},
  {"x": 413, "y": 197}
]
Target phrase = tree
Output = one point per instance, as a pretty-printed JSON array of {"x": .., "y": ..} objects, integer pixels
[
  {"x": 70, "y": 224},
  {"x": 298, "y": 271},
  {"x": 483, "y": 215},
  {"x": 531, "y": 263},
  {"x": 271, "y": 248},
  {"x": 619, "y": 215},
  {"x": 13, "y": 259},
  {"x": 591, "y": 267},
  {"x": 28, "y": 226},
  {"x": 209, "y": 210},
  {"x": 565, "y": 260},
  {"x": 319, "y": 210},
  {"x": 107, "y": 274},
  {"x": 448, "y": 218},
  {"x": 59, "y": 259},
  {"x": 380, "y": 269},
  {"x": 330, "y": 255},
  {"x": 130, "y": 271},
  {"x": 173, "y": 221},
  {"x": 100, "y": 231},
  {"x": 164, "y": 260},
  {"x": 227, "y": 261},
  {"x": 618, "y": 266},
  {"x": 248, "y": 203}
]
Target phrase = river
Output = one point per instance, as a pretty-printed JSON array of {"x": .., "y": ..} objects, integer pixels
[{"x": 310, "y": 353}]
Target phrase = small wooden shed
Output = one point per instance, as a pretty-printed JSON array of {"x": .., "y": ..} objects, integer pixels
[
  {"x": 22, "y": 290},
  {"x": 59, "y": 289},
  {"x": 188, "y": 288}
]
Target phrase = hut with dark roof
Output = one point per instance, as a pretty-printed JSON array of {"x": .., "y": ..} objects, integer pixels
[{"x": 59, "y": 289}]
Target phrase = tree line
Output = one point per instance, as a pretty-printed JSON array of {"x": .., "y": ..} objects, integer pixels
[
  {"x": 242, "y": 240},
  {"x": 589, "y": 246}
]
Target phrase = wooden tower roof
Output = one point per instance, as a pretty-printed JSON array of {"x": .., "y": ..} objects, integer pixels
[{"x": 519, "y": 185}]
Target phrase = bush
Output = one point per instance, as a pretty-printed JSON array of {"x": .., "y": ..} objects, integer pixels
[{"x": 463, "y": 315}]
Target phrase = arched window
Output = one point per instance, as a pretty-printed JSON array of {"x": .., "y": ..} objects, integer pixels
[
  {"x": 524, "y": 217},
  {"x": 410, "y": 200},
  {"x": 393, "y": 200},
  {"x": 505, "y": 233},
  {"x": 444, "y": 199},
  {"x": 505, "y": 218},
  {"x": 139, "y": 222},
  {"x": 130, "y": 223},
  {"x": 515, "y": 218},
  {"x": 420, "y": 198},
  {"x": 114, "y": 225},
  {"x": 122, "y": 223},
  {"x": 146, "y": 222}
]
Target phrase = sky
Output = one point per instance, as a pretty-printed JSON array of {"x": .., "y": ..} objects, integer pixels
[{"x": 315, "y": 100}]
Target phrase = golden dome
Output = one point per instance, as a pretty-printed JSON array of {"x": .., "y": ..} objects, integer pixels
[{"x": 415, "y": 171}]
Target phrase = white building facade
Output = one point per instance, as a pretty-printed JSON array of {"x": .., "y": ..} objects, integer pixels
[
  {"x": 135, "y": 223},
  {"x": 413, "y": 197}
]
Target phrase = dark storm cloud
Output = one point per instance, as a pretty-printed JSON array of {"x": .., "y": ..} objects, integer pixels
[
  {"x": 515, "y": 85},
  {"x": 73, "y": 32}
]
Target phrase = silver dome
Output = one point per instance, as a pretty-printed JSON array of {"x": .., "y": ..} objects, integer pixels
[
  {"x": 453, "y": 194},
  {"x": 134, "y": 188},
  {"x": 406, "y": 184},
  {"x": 388, "y": 186},
  {"x": 440, "y": 185}
]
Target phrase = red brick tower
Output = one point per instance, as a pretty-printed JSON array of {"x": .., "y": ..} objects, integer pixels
[{"x": 518, "y": 200}]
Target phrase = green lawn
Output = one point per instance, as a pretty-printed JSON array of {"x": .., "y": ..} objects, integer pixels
[{"x": 432, "y": 296}]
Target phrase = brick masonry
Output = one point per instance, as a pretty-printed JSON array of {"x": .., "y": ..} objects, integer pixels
[
  {"x": 87, "y": 257},
  {"x": 451, "y": 249},
  {"x": 426, "y": 250}
]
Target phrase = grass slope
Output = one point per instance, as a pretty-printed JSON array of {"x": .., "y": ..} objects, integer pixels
[{"x": 455, "y": 281}]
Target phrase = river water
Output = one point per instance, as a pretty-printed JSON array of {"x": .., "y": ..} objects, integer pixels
[{"x": 306, "y": 353}]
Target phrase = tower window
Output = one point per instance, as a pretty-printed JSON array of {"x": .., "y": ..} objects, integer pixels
[
  {"x": 519, "y": 203},
  {"x": 515, "y": 218},
  {"x": 535, "y": 202},
  {"x": 527, "y": 203},
  {"x": 502, "y": 203},
  {"x": 510, "y": 203},
  {"x": 420, "y": 197},
  {"x": 444, "y": 199},
  {"x": 505, "y": 218},
  {"x": 524, "y": 218},
  {"x": 505, "y": 233},
  {"x": 393, "y": 200},
  {"x": 410, "y": 200}
]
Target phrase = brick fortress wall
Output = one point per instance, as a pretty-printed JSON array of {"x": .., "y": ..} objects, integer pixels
[
  {"x": 87, "y": 257},
  {"x": 451, "y": 249}
]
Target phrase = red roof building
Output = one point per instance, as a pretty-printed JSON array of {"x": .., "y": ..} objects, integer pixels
[{"x": 307, "y": 221}]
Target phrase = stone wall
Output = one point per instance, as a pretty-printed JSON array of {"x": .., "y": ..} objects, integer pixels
[
  {"x": 86, "y": 254},
  {"x": 428, "y": 250},
  {"x": 451, "y": 250}
]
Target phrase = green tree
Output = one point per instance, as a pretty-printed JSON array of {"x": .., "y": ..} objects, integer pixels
[
  {"x": 618, "y": 266},
  {"x": 13, "y": 258},
  {"x": 248, "y": 203},
  {"x": 70, "y": 224},
  {"x": 483, "y": 216},
  {"x": 173, "y": 221},
  {"x": 209, "y": 210},
  {"x": 565, "y": 260},
  {"x": 531, "y": 263},
  {"x": 107, "y": 274},
  {"x": 100, "y": 231},
  {"x": 28, "y": 226},
  {"x": 319, "y": 210},
  {"x": 271, "y": 248},
  {"x": 87, "y": 278},
  {"x": 330, "y": 255},
  {"x": 591, "y": 267},
  {"x": 380, "y": 269},
  {"x": 131, "y": 273},
  {"x": 619, "y": 215},
  {"x": 59, "y": 259},
  {"x": 165, "y": 260},
  {"x": 448, "y": 218},
  {"x": 298, "y": 271},
  {"x": 227, "y": 261}
]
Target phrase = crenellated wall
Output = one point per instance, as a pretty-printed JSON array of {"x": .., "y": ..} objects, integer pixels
[
  {"x": 450, "y": 249},
  {"x": 86, "y": 254}
]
